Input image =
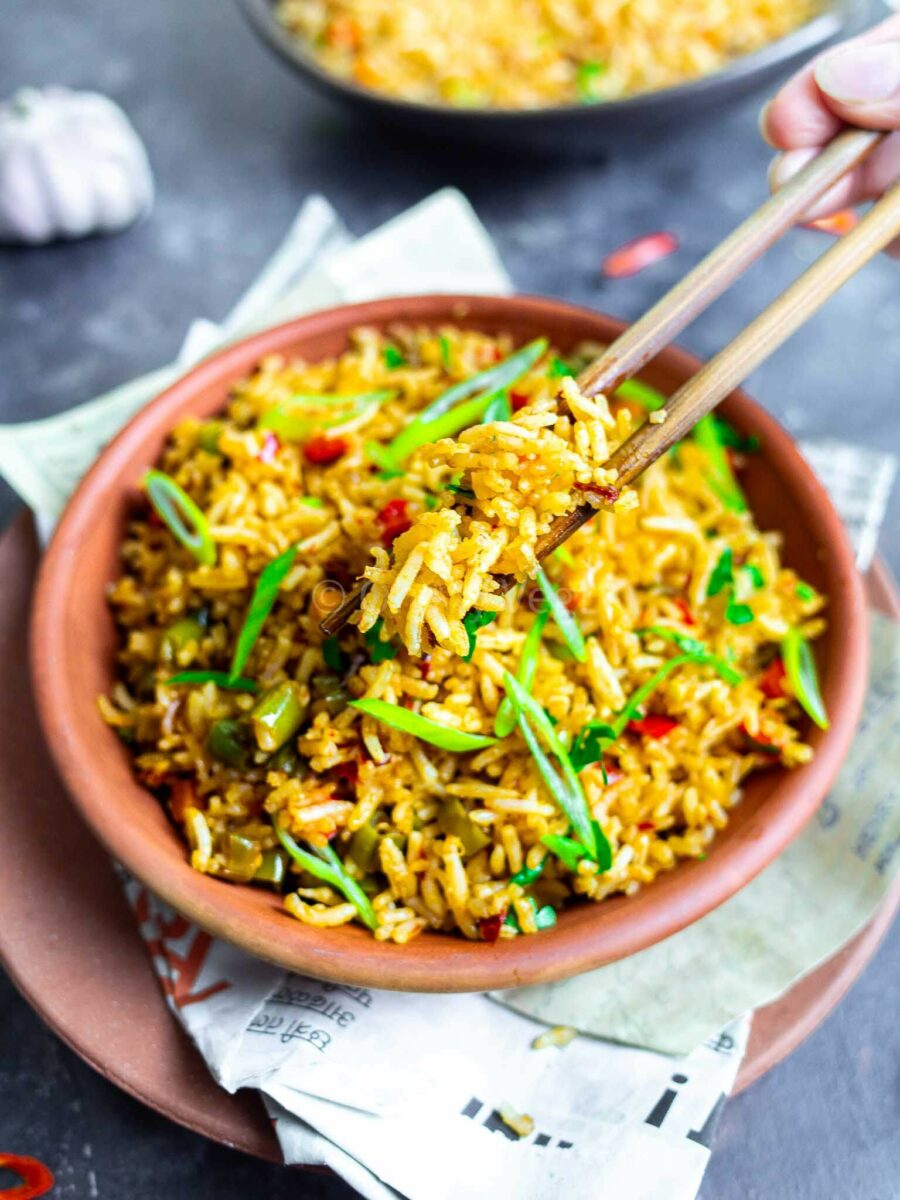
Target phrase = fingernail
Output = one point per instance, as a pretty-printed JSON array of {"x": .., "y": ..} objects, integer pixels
[
  {"x": 763, "y": 121},
  {"x": 861, "y": 74},
  {"x": 785, "y": 166}
]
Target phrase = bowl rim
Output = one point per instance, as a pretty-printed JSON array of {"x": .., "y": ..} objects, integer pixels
[
  {"x": 357, "y": 958},
  {"x": 819, "y": 29}
]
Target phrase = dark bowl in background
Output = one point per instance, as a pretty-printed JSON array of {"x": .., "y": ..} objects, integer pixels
[{"x": 568, "y": 130}]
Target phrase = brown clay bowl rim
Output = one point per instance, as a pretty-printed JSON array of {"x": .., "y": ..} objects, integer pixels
[{"x": 90, "y": 758}]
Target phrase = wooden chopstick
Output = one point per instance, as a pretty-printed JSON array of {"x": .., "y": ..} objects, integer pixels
[{"x": 690, "y": 297}]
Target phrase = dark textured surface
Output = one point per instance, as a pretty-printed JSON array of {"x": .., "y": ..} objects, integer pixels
[{"x": 237, "y": 145}]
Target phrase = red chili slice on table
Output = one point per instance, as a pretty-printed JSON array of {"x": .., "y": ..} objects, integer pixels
[
  {"x": 653, "y": 725},
  {"x": 771, "y": 682},
  {"x": 393, "y": 520},
  {"x": 638, "y": 254},
  {"x": 324, "y": 450},
  {"x": 489, "y": 927}
]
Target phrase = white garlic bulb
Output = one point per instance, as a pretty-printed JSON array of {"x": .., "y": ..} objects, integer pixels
[{"x": 71, "y": 164}]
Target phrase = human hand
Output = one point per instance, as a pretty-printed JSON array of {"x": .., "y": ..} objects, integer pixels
[{"x": 856, "y": 83}]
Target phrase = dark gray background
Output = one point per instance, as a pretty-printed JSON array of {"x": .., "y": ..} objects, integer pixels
[{"x": 237, "y": 144}]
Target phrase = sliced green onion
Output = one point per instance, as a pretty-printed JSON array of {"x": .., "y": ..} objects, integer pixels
[
  {"x": 499, "y": 409},
  {"x": 181, "y": 515},
  {"x": 687, "y": 645},
  {"x": 804, "y": 592},
  {"x": 458, "y": 490},
  {"x": 261, "y": 603},
  {"x": 730, "y": 437},
  {"x": 312, "y": 501},
  {"x": 208, "y": 437},
  {"x": 565, "y": 622},
  {"x": 640, "y": 393},
  {"x": 325, "y": 865},
  {"x": 393, "y": 358},
  {"x": 567, "y": 850},
  {"x": 754, "y": 574},
  {"x": 738, "y": 614},
  {"x": 474, "y": 620},
  {"x": 590, "y": 744},
  {"x": 564, "y": 555},
  {"x": 586, "y": 76},
  {"x": 297, "y": 417},
  {"x": 428, "y": 425},
  {"x": 528, "y": 875},
  {"x": 333, "y": 655},
  {"x": 220, "y": 678},
  {"x": 721, "y": 478},
  {"x": 398, "y": 717},
  {"x": 800, "y": 667},
  {"x": 559, "y": 369},
  {"x": 446, "y": 353},
  {"x": 633, "y": 707},
  {"x": 723, "y": 573},
  {"x": 545, "y": 917},
  {"x": 505, "y": 720},
  {"x": 379, "y": 650}
]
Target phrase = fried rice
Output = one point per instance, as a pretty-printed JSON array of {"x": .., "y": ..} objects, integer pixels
[
  {"x": 434, "y": 837},
  {"x": 533, "y": 53}
]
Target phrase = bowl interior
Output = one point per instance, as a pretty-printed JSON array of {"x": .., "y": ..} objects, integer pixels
[{"x": 74, "y": 644}]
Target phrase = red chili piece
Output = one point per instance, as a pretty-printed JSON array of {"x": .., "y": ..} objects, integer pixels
[
  {"x": 425, "y": 666},
  {"x": 518, "y": 400},
  {"x": 348, "y": 771},
  {"x": 598, "y": 493},
  {"x": 393, "y": 520},
  {"x": 771, "y": 680},
  {"x": 653, "y": 725},
  {"x": 324, "y": 450},
  {"x": 490, "y": 927},
  {"x": 270, "y": 447},
  {"x": 646, "y": 825},
  {"x": 686, "y": 615},
  {"x": 37, "y": 1179},
  {"x": 638, "y": 254}
]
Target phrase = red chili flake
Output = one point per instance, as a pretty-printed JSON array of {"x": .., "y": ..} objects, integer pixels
[
  {"x": 572, "y": 601},
  {"x": 324, "y": 450},
  {"x": 393, "y": 520},
  {"x": 638, "y": 254},
  {"x": 490, "y": 927},
  {"x": 771, "y": 680},
  {"x": 518, "y": 400},
  {"x": 348, "y": 771},
  {"x": 654, "y": 725},
  {"x": 686, "y": 614},
  {"x": 425, "y": 666},
  {"x": 36, "y": 1179},
  {"x": 270, "y": 447},
  {"x": 838, "y": 223},
  {"x": 598, "y": 493},
  {"x": 646, "y": 825}
]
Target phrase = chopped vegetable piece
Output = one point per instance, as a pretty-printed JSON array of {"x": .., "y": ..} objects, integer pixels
[
  {"x": 771, "y": 682},
  {"x": 229, "y": 742},
  {"x": 434, "y": 421},
  {"x": 545, "y": 917},
  {"x": 394, "y": 520},
  {"x": 324, "y": 864},
  {"x": 208, "y": 437},
  {"x": 446, "y": 353},
  {"x": 587, "y": 75},
  {"x": 805, "y": 592},
  {"x": 278, "y": 715},
  {"x": 723, "y": 573},
  {"x": 653, "y": 725},
  {"x": 363, "y": 848},
  {"x": 181, "y": 633},
  {"x": 474, "y": 620},
  {"x": 565, "y": 622},
  {"x": 454, "y": 821},
  {"x": 489, "y": 927},
  {"x": 505, "y": 720},
  {"x": 686, "y": 644},
  {"x": 633, "y": 707},
  {"x": 528, "y": 875},
  {"x": 445, "y": 738},
  {"x": 559, "y": 369},
  {"x": 322, "y": 451},
  {"x": 332, "y": 654},
  {"x": 181, "y": 516},
  {"x": 730, "y": 437},
  {"x": 296, "y": 418},
  {"x": 517, "y": 401},
  {"x": 264, "y": 596},
  {"x": 800, "y": 668},
  {"x": 220, "y": 678},
  {"x": 499, "y": 409},
  {"x": 588, "y": 745},
  {"x": 638, "y": 254},
  {"x": 379, "y": 650},
  {"x": 640, "y": 393},
  {"x": 458, "y": 490},
  {"x": 393, "y": 358},
  {"x": 272, "y": 868},
  {"x": 312, "y": 501},
  {"x": 242, "y": 857},
  {"x": 755, "y": 575},
  {"x": 567, "y": 850},
  {"x": 564, "y": 555},
  {"x": 721, "y": 477},
  {"x": 738, "y": 614}
]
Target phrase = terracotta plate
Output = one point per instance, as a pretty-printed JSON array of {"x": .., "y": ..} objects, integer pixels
[{"x": 94, "y": 986}]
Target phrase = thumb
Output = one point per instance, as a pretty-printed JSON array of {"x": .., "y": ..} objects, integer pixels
[{"x": 860, "y": 82}]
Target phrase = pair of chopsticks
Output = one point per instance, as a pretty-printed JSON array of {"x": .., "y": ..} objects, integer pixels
[{"x": 692, "y": 296}]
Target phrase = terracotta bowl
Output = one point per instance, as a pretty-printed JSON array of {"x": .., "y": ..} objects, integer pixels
[{"x": 73, "y": 646}]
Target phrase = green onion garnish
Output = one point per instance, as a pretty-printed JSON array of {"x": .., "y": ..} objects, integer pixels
[
  {"x": 324, "y": 864},
  {"x": 296, "y": 418},
  {"x": 559, "y": 369},
  {"x": 474, "y": 620},
  {"x": 544, "y": 918},
  {"x": 565, "y": 622},
  {"x": 435, "y": 734},
  {"x": 564, "y": 555},
  {"x": 567, "y": 850},
  {"x": 804, "y": 592},
  {"x": 688, "y": 645},
  {"x": 332, "y": 654},
  {"x": 261, "y": 603},
  {"x": 754, "y": 574},
  {"x": 738, "y": 614},
  {"x": 181, "y": 515},
  {"x": 586, "y": 76},
  {"x": 590, "y": 744},
  {"x": 446, "y": 354},
  {"x": 633, "y": 707},
  {"x": 499, "y": 409},
  {"x": 640, "y": 393},
  {"x": 458, "y": 490},
  {"x": 312, "y": 501},
  {"x": 505, "y": 720},
  {"x": 393, "y": 358},
  {"x": 730, "y": 437},
  {"x": 721, "y": 477},
  {"x": 430, "y": 424},
  {"x": 220, "y": 678},
  {"x": 800, "y": 667},
  {"x": 528, "y": 875},
  {"x": 379, "y": 651},
  {"x": 723, "y": 573}
]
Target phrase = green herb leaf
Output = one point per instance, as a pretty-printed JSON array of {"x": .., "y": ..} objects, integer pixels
[
  {"x": 474, "y": 620},
  {"x": 499, "y": 409},
  {"x": 565, "y": 622},
  {"x": 333, "y": 655},
  {"x": 296, "y": 418},
  {"x": 445, "y": 738},
  {"x": 220, "y": 678},
  {"x": 559, "y": 369},
  {"x": 804, "y": 592},
  {"x": 721, "y": 478},
  {"x": 723, "y": 573},
  {"x": 264, "y": 596},
  {"x": 505, "y": 720},
  {"x": 800, "y": 667},
  {"x": 528, "y": 875},
  {"x": 379, "y": 651},
  {"x": 324, "y": 864},
  {"x": 589, "y": 746},
  {"x": 587, "y": 75},
  {"x": 564, "y": 555},
  {"x": 640, "y": 393},
  {"x": 738, "y": 614},
  {"x": 181, "y": 515},
  {"x": 393, "y": 358},
  {"x": 603, "y": 855}
]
